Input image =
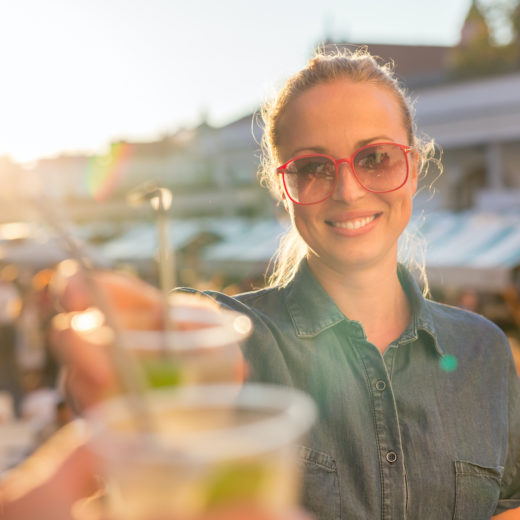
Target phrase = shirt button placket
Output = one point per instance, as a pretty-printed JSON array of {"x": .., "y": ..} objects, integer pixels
[
  {"x": 392, "y": 477},
  {"x": 386, "y": 425}
]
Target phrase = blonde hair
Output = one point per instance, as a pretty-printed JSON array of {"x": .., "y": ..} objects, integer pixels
[{"x": 358, "y": 66}]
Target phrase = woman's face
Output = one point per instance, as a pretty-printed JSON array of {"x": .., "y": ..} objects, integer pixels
[{"x": 354, "y": 228}]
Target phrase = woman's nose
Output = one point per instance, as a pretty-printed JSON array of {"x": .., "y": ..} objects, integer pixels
[{"x": 347, "y": 188}]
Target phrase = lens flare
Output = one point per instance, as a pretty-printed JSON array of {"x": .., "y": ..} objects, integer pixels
[
  {"x": 449, "y": 363},
  {"x": 103, "y": 173}
]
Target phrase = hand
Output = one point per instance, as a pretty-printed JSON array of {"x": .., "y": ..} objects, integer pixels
[
  {"x": 46, "y": 484},
  {"x": 89, "y": 374}
]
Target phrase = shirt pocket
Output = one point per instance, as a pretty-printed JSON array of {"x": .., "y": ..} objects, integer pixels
[
  {"x": 477, "y": 489},
  {"x": 320, "y": 493}
]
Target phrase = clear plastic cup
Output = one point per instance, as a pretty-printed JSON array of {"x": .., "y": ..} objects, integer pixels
[
  {"x": 200, "y": 344},
  {"x": 211, "y": 449},
  {"x": 201, "y": 347}
]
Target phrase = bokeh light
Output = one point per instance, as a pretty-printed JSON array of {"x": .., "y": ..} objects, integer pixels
[{"x": 88, "y": 320}]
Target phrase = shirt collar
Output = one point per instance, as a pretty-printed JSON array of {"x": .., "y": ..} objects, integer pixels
[
  {"x": 312, "y": 310},
  {"x": 422, "y": 319}
]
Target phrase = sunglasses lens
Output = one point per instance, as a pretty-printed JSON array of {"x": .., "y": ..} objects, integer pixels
[
  {"x": 310, "y": 179},
  {"x": 381, "y": 167}
]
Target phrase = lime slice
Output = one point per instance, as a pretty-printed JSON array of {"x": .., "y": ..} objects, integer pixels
[
  {"x": 238, "y": 482},
  {"x": 161, "y": 373}
]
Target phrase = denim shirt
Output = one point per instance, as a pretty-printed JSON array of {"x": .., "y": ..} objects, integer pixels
[{"x": 428, "y": 430}]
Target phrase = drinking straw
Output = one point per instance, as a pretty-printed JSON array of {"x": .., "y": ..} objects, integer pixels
[{"x": 126, "y": 369}]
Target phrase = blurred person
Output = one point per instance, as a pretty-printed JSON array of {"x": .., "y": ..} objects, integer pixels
[
  {"x": 469, "y": 300},
  {"x": 515, "y": 347},
  {"x": 46, "y": 307},
  {"x": 30, "y": 345},
  {"x": 10, "y": 305},
  {"x": 419, "y": 402}
]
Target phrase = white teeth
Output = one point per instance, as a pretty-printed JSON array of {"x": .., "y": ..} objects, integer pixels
[{"x": 354, "y": 224}]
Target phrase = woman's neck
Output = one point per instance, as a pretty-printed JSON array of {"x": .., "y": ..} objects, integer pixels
[{"x": 371, "y": 295}]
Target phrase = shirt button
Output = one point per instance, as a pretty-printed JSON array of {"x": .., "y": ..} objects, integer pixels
[
  {"x": 391, "y": 457},
  {"x": 380, "y": 385}
]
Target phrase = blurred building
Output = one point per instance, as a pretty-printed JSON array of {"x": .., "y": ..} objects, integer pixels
[
  {"x": 477, "y": 125},
  {"x": 415, "y": 65},
  {"x": 210, "y": 171},
  {"x": 466, "y": 98},
  {"x": 62, "y": 177},
  {"x": 16, "y": 183}
]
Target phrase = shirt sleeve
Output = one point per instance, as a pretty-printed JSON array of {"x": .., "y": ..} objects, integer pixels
[{"x": 510, "y": 487}]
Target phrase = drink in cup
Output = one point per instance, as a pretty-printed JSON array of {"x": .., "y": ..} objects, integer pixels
[
  {"x": 209, "y": 449},
  {"x": 201, "y": 345}
]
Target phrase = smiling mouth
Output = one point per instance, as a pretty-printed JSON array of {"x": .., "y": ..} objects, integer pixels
[{"x": 353, "y": 224}]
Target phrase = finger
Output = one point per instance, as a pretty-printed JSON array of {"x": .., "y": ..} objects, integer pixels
[
  {"x": 122, "y": 291},
  {"x": 88, "y": 375}
]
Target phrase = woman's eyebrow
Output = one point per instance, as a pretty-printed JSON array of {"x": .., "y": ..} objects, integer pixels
[
  {"x": 364, "y": 142},
  {"x": 316, "y": 149},
  {"x": 323, "y": 150}
]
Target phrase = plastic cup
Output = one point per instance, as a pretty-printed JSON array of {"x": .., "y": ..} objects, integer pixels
[
  {"x": 210, "y": 450},
  {"x": 202, "y": 347}
]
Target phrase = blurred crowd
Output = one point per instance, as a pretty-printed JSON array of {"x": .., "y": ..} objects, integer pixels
[{"x": 31, "y": 405}]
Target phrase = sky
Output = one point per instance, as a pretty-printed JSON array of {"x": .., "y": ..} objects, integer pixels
[{"x": 77, "y": 74}]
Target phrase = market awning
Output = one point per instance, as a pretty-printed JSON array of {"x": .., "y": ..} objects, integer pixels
[
  {"x": 140, "y": 242},
  {"x": 470, "y": 249},
  {"x": 467, "y": 249},
  {"x": 246, "y": 253}
]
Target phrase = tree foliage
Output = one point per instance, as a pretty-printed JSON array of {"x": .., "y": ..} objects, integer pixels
[{"x": 490, "y": 40}]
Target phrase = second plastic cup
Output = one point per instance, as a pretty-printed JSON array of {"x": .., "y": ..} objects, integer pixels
[{"x": 210, "y": 449}]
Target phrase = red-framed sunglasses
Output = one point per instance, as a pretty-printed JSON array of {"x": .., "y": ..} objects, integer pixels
[{"x": 379, "y": 168}]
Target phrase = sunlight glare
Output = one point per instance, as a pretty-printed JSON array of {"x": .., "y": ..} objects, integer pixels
[{"x": 88, "y": 320}]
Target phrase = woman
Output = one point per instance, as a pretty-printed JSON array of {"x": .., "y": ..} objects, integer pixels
[{"x": 419, "y": 402}]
